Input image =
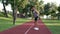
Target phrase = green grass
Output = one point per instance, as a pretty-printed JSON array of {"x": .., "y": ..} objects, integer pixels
[
  {"x": 6, "y": 23},
  {"x": 1, "y": 14},
  {"x": 53, "y": 25}
]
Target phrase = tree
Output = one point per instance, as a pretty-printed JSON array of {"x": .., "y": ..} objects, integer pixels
[
  {"x": 22, "y": 5},
  {"x": 59, "y": 12},
  {"x": 53, "y": 10},
  {"x": 17, "y": 5},
  {"x": 41, "y": 8},
  {"x": 4, "y": 4},
  {"x": 14, "y": 8},
  {"x": 47, "y": 9}
]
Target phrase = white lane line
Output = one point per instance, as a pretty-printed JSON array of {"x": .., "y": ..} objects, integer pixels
[{"x": 28, "y": 29}]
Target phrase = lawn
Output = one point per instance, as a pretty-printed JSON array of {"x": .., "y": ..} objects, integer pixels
[
  {"x": 53, "y": 25},
  {"x": 6, "y": 23}
]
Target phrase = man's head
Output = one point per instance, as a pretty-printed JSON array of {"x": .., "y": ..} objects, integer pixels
[{"x": 32, "y": 8}]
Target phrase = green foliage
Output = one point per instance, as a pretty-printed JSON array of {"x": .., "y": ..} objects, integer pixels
[
  {"x": 59, "y": 8},
  {"x": 59, "y": 12},
  {"x": 50, "y": 9},
  {"x": 46, "y": 9},
  {"x": 53, "y": 9},
  {"x": 1, "y": 14},
  {"x": 35, "y": 3},
  {"x": 22, "y": 5}
]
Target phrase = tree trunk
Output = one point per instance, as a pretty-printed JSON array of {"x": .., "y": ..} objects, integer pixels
[
  {"x": 59, "y": 16},
  {"x": 14, "y": 15},
  {"x": 4, "y": 9},
  {"x": 14, "y": 12}
]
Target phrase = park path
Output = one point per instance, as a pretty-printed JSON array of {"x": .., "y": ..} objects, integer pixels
[{"x": 27, "y": 28}]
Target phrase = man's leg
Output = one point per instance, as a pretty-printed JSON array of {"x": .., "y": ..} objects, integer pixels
[{"x": 36, "y": 24}]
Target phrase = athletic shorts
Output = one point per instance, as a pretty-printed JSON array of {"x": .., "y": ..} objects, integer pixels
[{"x": 36, "y": 18}]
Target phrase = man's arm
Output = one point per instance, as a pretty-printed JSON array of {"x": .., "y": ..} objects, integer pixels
[{"x": 31, "y": 14}]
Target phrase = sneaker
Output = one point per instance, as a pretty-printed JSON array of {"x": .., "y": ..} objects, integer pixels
[{"x": 36, "y": 28}]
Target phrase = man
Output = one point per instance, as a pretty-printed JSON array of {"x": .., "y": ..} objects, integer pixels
[{"x": 35, "y": 15}]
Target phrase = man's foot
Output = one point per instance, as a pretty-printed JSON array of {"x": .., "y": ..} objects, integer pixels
[{"x": 36, "y": 28}]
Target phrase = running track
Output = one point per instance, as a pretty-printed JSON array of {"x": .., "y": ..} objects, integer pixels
[{"x": 27, "y": 28}]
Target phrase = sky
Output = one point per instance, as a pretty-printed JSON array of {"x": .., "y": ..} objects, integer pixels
[
  {"x": 8, "y": 8},
  {"x": 1, "y": 6},
  {"x": 45, "y": 1},
  {"x": 54, "y": 1}
]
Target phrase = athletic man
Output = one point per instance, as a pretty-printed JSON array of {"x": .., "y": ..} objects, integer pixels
[{"x": 35, "y": 15}]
